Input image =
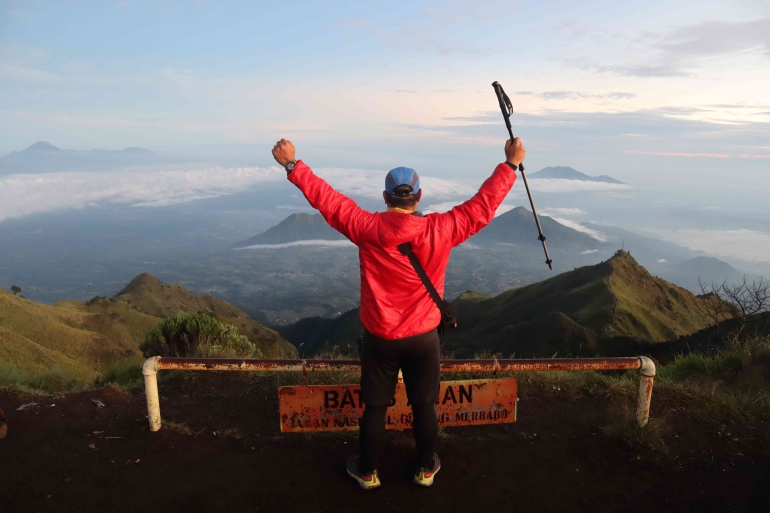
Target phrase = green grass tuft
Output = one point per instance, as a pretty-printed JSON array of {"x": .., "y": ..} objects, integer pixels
[
  {"x": 124, "y": 375},
  {"x": 179, "y": 427},
  {"x": 626, "y": 428},
  {"x": 25, "y": 381}
]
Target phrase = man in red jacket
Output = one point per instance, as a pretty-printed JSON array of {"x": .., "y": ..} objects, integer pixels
[{"x": 399, "y": 316}]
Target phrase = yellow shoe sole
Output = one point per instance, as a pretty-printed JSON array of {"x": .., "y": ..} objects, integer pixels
[
  {"x": 421, "y": 478},
  {"x": 366, "y": 485}
]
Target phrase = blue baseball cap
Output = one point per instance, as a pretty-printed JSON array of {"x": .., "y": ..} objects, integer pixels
[{"x": 402, "y": 176}]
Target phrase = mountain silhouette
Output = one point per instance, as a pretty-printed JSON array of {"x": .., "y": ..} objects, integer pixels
[
  {"x": 294, "y": 228},
  {"x": 513, "y": 227},
  {"x": 706, "y": 269},
  {"x": 44, "y": 157},
  {"x": 517, "y": 226},
  {"x": 567, "y": 173}
]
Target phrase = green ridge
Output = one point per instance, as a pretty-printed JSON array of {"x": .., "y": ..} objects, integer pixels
[{"x": 569, "y": 313}]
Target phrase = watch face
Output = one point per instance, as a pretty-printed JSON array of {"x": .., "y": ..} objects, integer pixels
[{"x": 290, "y": 166}]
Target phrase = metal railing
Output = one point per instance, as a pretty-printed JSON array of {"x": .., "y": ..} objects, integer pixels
[{"x": 156, "y": 363}]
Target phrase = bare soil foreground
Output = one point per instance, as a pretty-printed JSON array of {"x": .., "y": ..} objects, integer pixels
[{"x": 221, "y": 450}]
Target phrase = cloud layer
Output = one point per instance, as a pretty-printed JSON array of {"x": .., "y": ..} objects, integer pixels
[
  {"x": 22, "y": 195},
  {"x": 370, "y": 184},
  {"x": 743, "y": 244},
  {"x": 580, "y": 228},
  {"x": 25, "y": 194},
  {"x": 329, "y": 243}
]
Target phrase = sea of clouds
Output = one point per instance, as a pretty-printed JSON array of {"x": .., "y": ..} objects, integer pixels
[{"x": 26, "y": 194}]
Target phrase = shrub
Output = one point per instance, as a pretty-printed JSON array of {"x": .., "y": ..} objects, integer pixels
[{"x": 197, "y": 335}]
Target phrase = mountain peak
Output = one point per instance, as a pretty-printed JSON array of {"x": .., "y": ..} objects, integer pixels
[
  {"x": 568, "y": 173},
  {"x": 299, "y": 226},
  {"x": 142, "y": 281},
  {"x": 42, "y": 146},
  {"x": 624, "y": 258},
  {"x": 617, "y": 298}
]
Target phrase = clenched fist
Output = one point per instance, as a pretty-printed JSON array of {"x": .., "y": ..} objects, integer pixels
[
  {"x": 514, "y": 152},
  {"x": 283, "y": 152}
]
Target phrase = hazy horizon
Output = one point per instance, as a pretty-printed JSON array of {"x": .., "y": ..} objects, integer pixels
[{"x": 672, "y": 100}]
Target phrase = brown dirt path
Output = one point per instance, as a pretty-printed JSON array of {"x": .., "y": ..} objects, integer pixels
[{"x": 554, "y": 459}]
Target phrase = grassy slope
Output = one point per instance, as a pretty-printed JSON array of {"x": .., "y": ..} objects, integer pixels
[
  {"x": 83, "y": 341},
  {"x": 78, "y": 339},
  {"x": 147, "y": 294},
  {"x": 616, "y": 298}
]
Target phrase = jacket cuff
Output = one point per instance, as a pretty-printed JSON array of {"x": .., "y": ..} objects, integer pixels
[
  {"x": 296, "y": 174},
  {"x": 510, "y": 166}
]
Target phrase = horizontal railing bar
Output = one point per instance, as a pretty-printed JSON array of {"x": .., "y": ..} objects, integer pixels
[
  {"x": 541, "y": 364},
  {"x": 488, "y": 365},
  {"x": 152, "y": 365}
]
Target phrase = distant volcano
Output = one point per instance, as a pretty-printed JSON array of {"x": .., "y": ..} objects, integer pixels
[
  {"x": 567, "y": 173},
  {"x": 43, "y": 157},
  {"x": 294, "y": 228}
]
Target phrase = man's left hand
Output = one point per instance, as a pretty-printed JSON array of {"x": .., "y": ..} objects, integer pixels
[{"x": 283, "y": 152}]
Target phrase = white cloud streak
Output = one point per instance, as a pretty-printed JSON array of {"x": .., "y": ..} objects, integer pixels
[
  {"x": 22, "y": 195},
  {"x": 25, "y": 194},
  {"x": 370, "y": 184},
  {"x": 329, "y": 243},
  {"x": 579, "y": 227},
  {"x": 743, "y": 244},
  {"x": 560, "y": 186},
  {"x": 449, "y": 205},
  {"x": 568, "y": 212}
]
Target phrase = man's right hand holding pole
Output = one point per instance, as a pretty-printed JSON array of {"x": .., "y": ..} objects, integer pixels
[{"x": 514, "y": 152}]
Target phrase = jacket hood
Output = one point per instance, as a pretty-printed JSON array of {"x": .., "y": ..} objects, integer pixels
[{"x": 395, "y": 228}]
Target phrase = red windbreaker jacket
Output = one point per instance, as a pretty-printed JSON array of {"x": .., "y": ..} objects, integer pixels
[{"x": 394, "y": 302}]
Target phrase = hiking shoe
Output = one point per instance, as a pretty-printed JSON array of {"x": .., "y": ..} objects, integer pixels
[
  {"x": 366, "y": 480},
  {"x": 424, "y": 476}
]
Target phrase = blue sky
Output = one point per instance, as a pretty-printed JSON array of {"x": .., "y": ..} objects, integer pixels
[
  {"x": 175, "y": 75},
  {"x": 667, "y": 96}
]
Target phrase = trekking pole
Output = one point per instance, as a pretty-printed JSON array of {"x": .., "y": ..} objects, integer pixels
[{"x": 507, "y": 108}]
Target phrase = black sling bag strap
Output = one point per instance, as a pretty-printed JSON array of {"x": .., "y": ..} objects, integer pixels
[{"x": 448, "y": 314}]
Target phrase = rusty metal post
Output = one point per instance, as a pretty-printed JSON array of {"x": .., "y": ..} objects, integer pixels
[
  {"x": 150, "y": 372},
  {"x": 647, "y": 370}
]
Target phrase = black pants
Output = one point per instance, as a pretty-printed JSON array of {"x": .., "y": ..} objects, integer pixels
[{"x": 418, "y": 359}]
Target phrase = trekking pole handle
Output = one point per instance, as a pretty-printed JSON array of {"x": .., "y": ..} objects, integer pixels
[{"x": 507, "y": 109}]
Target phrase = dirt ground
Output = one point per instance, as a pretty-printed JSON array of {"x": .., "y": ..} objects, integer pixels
[{"x": 70, "y": 454}]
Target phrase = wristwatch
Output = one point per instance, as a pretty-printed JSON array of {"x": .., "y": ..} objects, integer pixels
[{"x": 290, "y": 166}]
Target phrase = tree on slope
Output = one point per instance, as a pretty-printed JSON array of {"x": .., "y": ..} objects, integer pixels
[
  {"x": 197, "y": 335},
  {"x": 743, "y": 300},
  {"x": 15, "y": 289}
]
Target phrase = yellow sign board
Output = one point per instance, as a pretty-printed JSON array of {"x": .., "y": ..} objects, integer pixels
[{"x": 339, "y": 407}]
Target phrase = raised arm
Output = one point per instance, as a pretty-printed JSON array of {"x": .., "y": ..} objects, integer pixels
[
  {"x": 340, "y": 212},
  {"x": 470, "y": 217}
]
